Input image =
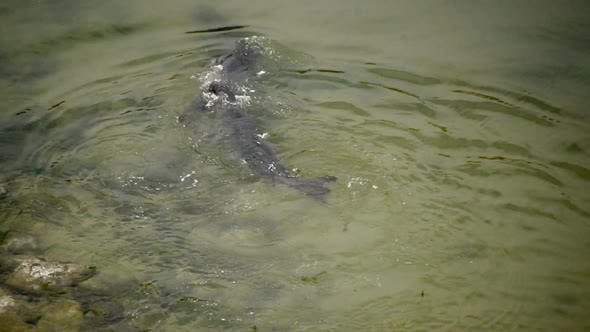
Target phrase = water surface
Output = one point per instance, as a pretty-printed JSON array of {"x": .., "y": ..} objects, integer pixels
[{"x": 458, "y": 132}]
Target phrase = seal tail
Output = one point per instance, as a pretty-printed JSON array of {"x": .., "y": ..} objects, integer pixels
[{"x": 314, "y": 187}]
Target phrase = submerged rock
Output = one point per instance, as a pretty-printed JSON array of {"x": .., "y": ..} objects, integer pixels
[
  {"x": 37, "y": 295},
  {"x": 6, "y": 301},
  {"x": 35, "y": 275},
  {"x": 22, "y": 313},
  {"x": 61, "y": 315},
  {"x": 101, "y": 311},
  {"x": 16, "y": 312}
]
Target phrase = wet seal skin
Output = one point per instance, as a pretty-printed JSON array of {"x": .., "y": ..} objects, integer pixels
[{"x": 241, "y": 129}]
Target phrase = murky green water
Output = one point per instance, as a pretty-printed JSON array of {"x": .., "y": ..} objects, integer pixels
[{"x": 459, "y": 133}]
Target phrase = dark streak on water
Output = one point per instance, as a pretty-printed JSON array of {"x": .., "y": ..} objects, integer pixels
[{"x": 220, "y": 29}]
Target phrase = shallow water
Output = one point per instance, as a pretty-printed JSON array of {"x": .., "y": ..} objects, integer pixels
[{"x": 458, "y": 133}]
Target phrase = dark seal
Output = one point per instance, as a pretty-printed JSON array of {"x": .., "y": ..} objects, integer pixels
[{"x": 239, "y": 128}]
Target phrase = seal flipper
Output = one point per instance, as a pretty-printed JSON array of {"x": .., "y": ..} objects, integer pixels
[{"x": 315, "y": 187}]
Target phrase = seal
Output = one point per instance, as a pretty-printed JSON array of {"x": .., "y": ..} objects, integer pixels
[{"x": 240, "y": 129}]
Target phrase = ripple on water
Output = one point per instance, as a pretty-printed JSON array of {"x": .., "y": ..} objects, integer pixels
[{"x": 459, "y": 205}]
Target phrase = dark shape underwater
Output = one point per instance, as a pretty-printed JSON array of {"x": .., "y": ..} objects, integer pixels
[{"x": 241, "y": 129}]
